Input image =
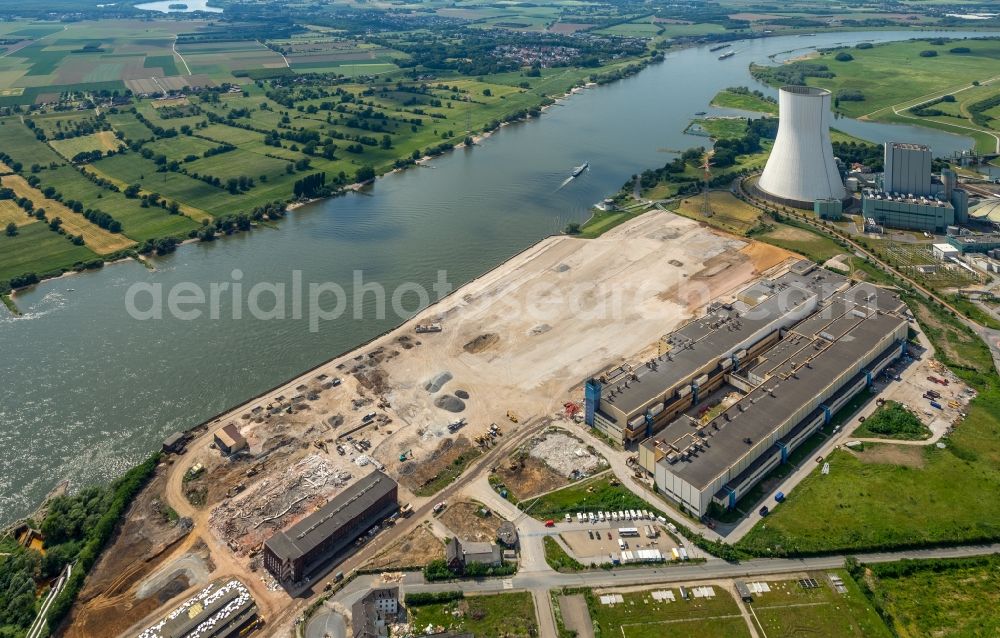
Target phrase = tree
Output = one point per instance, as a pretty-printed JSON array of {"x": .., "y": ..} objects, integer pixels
[
  {"x": 365, "y": 174},
  {"x": 11, "y": 229}
]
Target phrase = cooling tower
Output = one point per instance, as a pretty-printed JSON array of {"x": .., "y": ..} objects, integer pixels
[{"x": 801, "y": 168}]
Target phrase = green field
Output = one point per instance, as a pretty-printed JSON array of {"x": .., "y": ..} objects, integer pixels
[
  {"x": 496, "y": 616},
  {"x": 945, "y": 599},
  {"x": 895, "y": 76},
  {"x": 821, "y": 612},
  {"x": 640, "y": 616},
  {"x": 727, "y": 98},
  {"x": 802, "y": 241},
  {"x": 39, "y": 250}
]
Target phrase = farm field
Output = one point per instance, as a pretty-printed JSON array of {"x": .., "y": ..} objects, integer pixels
[
  {"x": 940, "y": 598},
  {"x": 37, "y": 249},
  {"x": 791, "y": 610},
  {"x": 640, "y": 615},
  {"x": 103, "y": 141},
  {"x": 495, "y": 616},
  {"x": 87, "y": 56},
  {"x": 97, "y": 239}
]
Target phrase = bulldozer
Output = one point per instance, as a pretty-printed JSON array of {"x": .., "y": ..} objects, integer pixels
[{"x": 512, "y": 417}]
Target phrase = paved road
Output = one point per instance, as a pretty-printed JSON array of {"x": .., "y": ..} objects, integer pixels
[{"x": 711, "y": 569}]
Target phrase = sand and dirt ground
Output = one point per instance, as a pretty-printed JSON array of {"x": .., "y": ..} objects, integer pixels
[{"x": 517, "y": 342}]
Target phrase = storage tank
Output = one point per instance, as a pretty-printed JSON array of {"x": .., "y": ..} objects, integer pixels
[{"x": 801, "y": 168}]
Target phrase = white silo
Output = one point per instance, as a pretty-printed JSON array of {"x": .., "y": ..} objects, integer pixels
[{"x": 801, "y": 168}]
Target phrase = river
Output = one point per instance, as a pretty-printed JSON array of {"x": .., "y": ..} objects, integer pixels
[{"x": 88, "y": 391}]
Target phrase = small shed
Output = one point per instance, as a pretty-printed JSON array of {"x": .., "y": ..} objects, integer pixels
[
  {"x": 945, "y": 251},
  {"x": 229, "y": 440},
  {"x": 174, "y": 444},
  {"x": 744, "y": 591}
]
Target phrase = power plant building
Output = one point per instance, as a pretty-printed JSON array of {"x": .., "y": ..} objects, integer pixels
[
  {"x": 801, "y": 168},
  {"x": 909, "y": 198},
  {"x": 790, "y": 390},
  {"x": 300, "y": 551},
  {"x": 907, "y": 169},
  {"x": 928, "y": 214}
]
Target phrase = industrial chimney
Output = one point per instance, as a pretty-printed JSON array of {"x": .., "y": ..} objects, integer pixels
[{"x": 801, "y": 168}]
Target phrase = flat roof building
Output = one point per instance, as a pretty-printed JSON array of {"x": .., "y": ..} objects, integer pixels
[
  {"x": 975, "y": 243},
  {"x": 791, "y": 389},
  {"x": 217, "y": 611},
  {"x": 298, "y": 552},
  {"x": 632, "y": 404},
  {"x": 895, "y": 210},
  {"x": 944, "y": 251}
]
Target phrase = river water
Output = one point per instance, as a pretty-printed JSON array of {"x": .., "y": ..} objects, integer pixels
[{"x": 87, "y": 390}]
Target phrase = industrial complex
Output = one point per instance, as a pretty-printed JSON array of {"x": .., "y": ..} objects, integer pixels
[
  {"x": 791, "y": 350},
  {"x": 299, "y": 552},
  {"x": 908, "y": 196}
]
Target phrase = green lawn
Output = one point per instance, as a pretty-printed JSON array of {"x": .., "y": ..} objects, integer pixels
[
  {"x": 557, "y": 558},
  {"x": 640, "y": 616},
  {"x": 598, "y": 493},
  {"x": 39, "y": 250},
  {"x": 744, "y": 101},
  {"x": 945, "y": 599},
  {"x": 790, "y": 610},
  {"x": 602, "y": 222},
  {"x": 893, "y": 421},
  {"x": 497, "y": 616},
  {"x": 802, "y": 241}
]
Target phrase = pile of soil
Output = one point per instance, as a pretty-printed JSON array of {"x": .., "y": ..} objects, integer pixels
[
  {"x": 450, "y": 403},
  {"x": 482, "y": 342},
  {"x": 438, "y": 382}
]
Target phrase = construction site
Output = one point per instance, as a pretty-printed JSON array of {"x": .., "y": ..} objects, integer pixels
[{"x": 491, "y": 362}]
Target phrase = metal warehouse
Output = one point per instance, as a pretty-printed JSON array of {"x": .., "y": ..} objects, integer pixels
[
  {"x": 299, "y": 551},
  {"x": 790, "y": 390},
  {"x": 632, "y": 404},
  {"x": 217, "y": 611}
]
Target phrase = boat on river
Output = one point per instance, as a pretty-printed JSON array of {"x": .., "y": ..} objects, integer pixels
[{"x": 579, "y": 169}]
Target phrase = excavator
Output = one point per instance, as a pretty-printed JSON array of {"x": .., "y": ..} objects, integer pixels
[{"x": 405, "y": 455}]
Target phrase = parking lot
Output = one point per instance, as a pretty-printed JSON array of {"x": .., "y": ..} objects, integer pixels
[{"x": 598, "y": 541}]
